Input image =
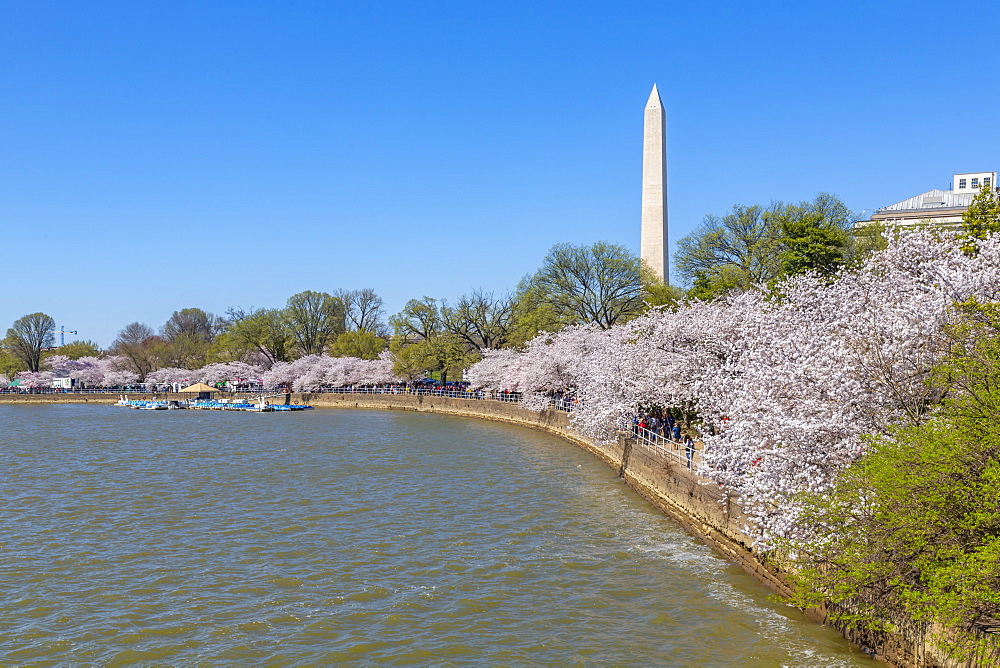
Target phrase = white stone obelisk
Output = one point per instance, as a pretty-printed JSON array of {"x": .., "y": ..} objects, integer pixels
[{"x": 653, "y": 242}]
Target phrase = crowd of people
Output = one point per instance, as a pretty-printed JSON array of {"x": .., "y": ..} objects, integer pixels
[{"x": 659, "y": 424}]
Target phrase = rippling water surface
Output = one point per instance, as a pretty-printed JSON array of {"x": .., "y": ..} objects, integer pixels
[{"x": 336, "y": 535}]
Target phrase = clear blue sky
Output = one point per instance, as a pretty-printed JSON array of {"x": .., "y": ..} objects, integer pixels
[{"x": 157, "y": 156}]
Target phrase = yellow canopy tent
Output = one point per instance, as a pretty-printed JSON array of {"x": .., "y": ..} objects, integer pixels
[
  {"x": 204, "y": 391},
  {"x": 200, "y": 387}
]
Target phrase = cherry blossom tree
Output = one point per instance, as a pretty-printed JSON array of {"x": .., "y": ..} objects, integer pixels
[
  {"x": 806, "y": 374},
  {"x": 86, "y": 370},
  {"x": 550, "y": 362},
  {"x": 36, "y": 379},
  {"x": 787, "y": 382},
  {"x": 221, "y": 372},
  {"x": 170, "y": 375},
  {"x": 664, "y": 357},
  {"x": 312, "y": 372},
  {"x": 90, "y": 371},
  {"x": 281, "y": 374},
  {"x": 118, "y": 371},
  {"x": 495, "y": 370}
]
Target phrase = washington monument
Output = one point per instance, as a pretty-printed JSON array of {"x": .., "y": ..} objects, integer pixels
[{"x": 653, "y": 242}]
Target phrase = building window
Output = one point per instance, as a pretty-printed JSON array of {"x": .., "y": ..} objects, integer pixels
[
  {"x": 975, "y": 183},
  {"x": 986, "y": 181},
  {"x": 961, "y": 184}
]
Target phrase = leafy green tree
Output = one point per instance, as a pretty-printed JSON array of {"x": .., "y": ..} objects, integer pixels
[
  {"x": 358, "y": 343},
  {"x": 419, "y": 319},
  {"x": 363, "y": 310},
  {"x": 28, "y": 336},
  {"x": 983, "y": 216},
  {"x": 10, "y": 365},
  {"x": 914, "y": 526},
  {"x": 723, "y": 280},
  {"x": 737, "y": 251},
  {"x": 423, "y": 344},
  {"x": 657, "y": 293},
  {"x": 77, "y": 349},
  {"x": 188, "y": 336},
  {"x": 314, "y": 320},
  {"x": 479, "y": 319},
  {"x": 444, "y": 354},
  {"x": 192, "y": 323},
  {"x": 531, "y": 314},
  {"x": 601, "y": 283},
  {"x": 865, "y": 241},
  {"x": 226, "y": 348},
  {"x": 811, "y": 243},
  {"x": 188, "y": 351},
  {"x": 262, "y": 332},
  {"x": 409, "y": 361},
  {"x": 753, "y": 245},
  {"x": 140, "y": 347}
]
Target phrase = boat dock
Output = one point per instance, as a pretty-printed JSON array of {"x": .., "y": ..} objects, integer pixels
[
  {"x": 233, "y": 405},
  {"x": 260, "y": 406}
]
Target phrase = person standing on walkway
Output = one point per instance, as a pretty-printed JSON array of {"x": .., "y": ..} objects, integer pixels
[{"x": 689, "y": 449}]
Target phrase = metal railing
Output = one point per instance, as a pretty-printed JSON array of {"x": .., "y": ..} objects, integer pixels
[
  {"x": 662, "y": 446},
  {"x": 424, "y": 392},
  {"x": 559, "y": 403},
  {"x": 565, "y": 405}
]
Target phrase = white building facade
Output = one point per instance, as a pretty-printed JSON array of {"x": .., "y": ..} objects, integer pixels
[{"x": 935, "y": 207}]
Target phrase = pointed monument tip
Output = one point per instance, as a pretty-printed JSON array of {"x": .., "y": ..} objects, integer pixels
[{"x": 654, "y": 98}]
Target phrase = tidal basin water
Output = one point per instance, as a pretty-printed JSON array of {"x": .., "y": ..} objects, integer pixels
[{"x": 338, "y": 536}]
